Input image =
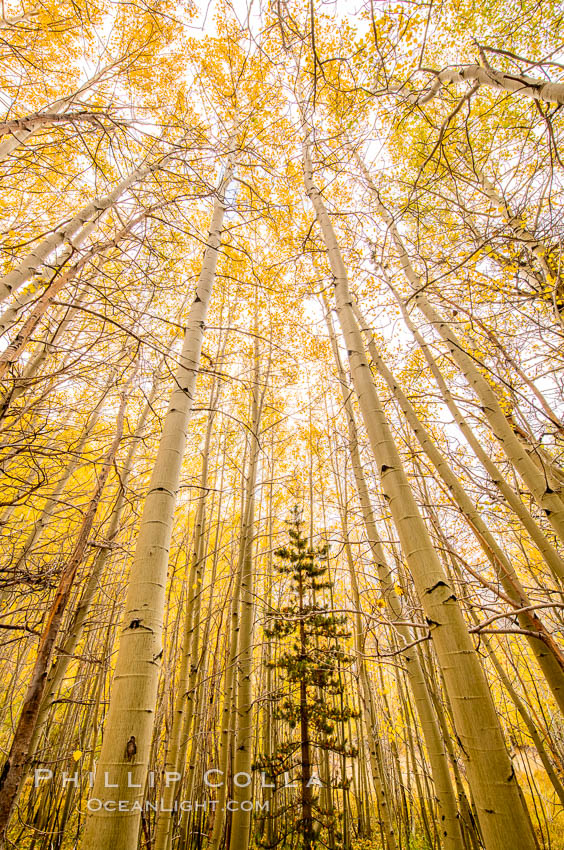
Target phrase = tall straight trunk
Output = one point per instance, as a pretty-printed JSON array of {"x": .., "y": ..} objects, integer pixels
[
  {"x": 534, "y": 478},
  {"x": 369, "y": 715},
  {"x": 445, "y": 796},
  {"x": 503, "y": 819},
  {"x": 184, "y": 702},
  {"x": 14, "y": 769},
  {"x": 244, "y": 732},
  {"x": 544, "y": 648},
  {"x": 133, "y": 695},
  {"x": 226, "y": 715}
]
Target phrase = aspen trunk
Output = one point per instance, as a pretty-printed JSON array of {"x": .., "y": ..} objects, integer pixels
[
  {"x": 184, "y": 703},
  {"x": 244, "y": 732},
  {"x": 527, "y": 720},
  {"x": 57, "y": 283},
  {"x": 522, "y": 84},
  {"x": 30, "y": 123},
  {"x": 134, "y": 690},
  {"x": 503, "y": 819},
  {"x": 226, "y": 731},
  {"x": 533, "y": 477},
  {"x": 386, "y": 820},
  {"x": 549, "y": 553},
  {"x": 545, "y": 649},
  {"x": 67, "y": 231},
  {"x": 10, "y": 315},
  {"x": 450, "y": 833},
  {"x": 31, "y": 370}
]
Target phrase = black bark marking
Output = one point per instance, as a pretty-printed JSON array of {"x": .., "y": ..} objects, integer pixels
[{"x": 437, "y": 584}]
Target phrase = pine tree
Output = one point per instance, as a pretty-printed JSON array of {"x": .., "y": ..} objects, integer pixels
[{"x": 309, "y": 701}]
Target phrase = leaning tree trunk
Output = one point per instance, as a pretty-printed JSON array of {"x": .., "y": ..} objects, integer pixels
[
  {"x": 543, "y": 544},
  {"x": 11, "y": 314},
  {"x": 130, "y": 718},
  {"x": 503, "y": 819},
  {"x": 531, "y": 87},
  {"x": 543, "y": 647},
  {"x": 535, "y": 479},
  {"x": 14, "y": 769},
  {"x": 28, "y": 125},
  {"x": 66, "y": 232},
  {"x": 59, "y": 667}
]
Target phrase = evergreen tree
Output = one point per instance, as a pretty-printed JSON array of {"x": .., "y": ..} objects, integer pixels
[{"x": 310, "y": 699}]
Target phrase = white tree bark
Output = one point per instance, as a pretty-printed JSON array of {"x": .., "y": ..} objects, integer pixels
[
  {"x": 530, "y": 87},
  {"x": 23, "y": 298},
  {"x": 134, "y": 687},
  {"x": 26, "y": 126},
  {"x": 544, "y": 647},
  {"x": 534, "y": 477},
  {"x": 451, "y": 837},
  {"x": 503, "y": 819},
  {"x": 70, "y": 232}
]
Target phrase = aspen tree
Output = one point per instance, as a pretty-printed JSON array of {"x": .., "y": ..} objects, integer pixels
[
  {"x": 59, "y": 667},
  {"x": 10, "y": 315},
  {"x": 450, "y": 834},
  {"x": 134, "y": 688},
  {"x": 535, "y": 247},
  {"x": 55, "y": 284},
  {"x": 545, "y": 650},
  {"x": 40, "y": 354},
  {"x": 67, "y": 232},
  {"x": 26, "y": 126},
  {"x": 227, "y": 717},
  {"x": 385, "y": 815},
  {"x": 244, "y": 731},
  {"x": 184, "y": 703},
  {"x": 522, "y": 84},
  {"x": 491, "y": 776},
  {"x": 227, "y": 712},
  {"x": 549, "y": 553}
]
